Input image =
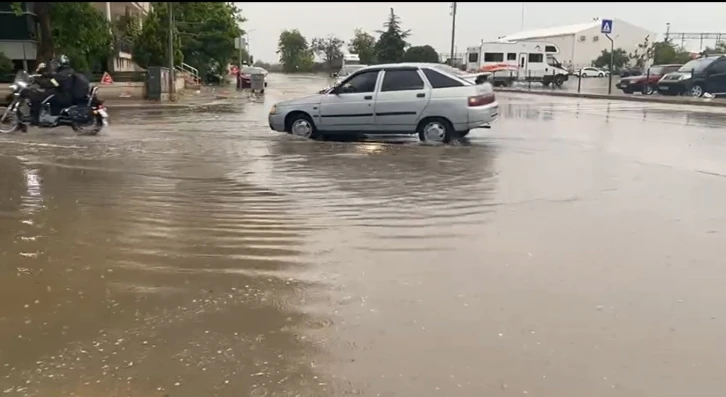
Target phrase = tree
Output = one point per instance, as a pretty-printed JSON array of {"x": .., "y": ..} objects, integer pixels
[
  {"x": 424, "y": 53},
  {"x": 329, "y": 48},
  {"x": 620, "y": 59},
  {"x": 664, "y": 52},
  {"x": 391, "y": 46},
  {"x": 364, "y": 45},
  {"x": 151, "y": 46},
  {"x": 208, "y": 31},
  {"x": 76, "y": 29},
  {"x": 295, "y": 53},
  {"x": 6, "y": 65},
  {"x": 642, "y": 54}
]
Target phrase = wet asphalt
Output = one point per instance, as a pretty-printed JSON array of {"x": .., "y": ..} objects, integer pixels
[{"x": 571, "y": 250}]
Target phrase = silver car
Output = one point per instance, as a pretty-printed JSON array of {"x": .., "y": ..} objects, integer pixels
[{"x": 405, "y": 98}]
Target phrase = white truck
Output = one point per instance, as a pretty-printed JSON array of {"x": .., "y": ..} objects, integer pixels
[
  {"x": 510, "y": 61},
  {"x": 351, "y": 59}
]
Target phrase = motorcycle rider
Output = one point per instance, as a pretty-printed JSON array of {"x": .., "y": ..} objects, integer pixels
[{"x": 59, "y": 78}]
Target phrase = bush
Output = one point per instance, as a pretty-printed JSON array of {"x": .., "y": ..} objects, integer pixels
[{"x": 6, "y": 65}]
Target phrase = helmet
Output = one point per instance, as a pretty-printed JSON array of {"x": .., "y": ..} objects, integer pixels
[{"x": 63, "y": 60}]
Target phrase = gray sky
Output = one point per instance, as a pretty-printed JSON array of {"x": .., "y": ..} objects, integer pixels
[{"x": 430, "y": 23}]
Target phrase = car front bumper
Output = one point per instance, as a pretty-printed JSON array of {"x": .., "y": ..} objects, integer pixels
[
  {"x": 276, "y": 122},
  {"x": 675, "y": 88}
]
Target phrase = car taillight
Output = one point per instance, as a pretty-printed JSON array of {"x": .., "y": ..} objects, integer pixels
[{"x": 481, "y": 100}]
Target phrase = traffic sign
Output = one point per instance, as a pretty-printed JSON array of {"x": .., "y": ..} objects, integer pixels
[
  {"x": 106, "y": 79},
  {"x": 606, "y": 26}
]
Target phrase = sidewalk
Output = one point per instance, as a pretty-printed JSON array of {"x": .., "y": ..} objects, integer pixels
[{"x": 620, "y": 97}]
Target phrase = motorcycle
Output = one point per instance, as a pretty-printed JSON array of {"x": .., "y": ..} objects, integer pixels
[{"x": 85, "y": 119}]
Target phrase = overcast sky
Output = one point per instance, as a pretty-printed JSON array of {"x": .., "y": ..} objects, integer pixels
[{"x": 430, "y": 23}]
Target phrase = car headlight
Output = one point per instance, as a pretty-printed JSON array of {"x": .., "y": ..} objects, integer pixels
[{"x": 273, "y": 109}]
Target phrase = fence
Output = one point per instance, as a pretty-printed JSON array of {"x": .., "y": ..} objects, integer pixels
[{"x": 600, "y": 83}]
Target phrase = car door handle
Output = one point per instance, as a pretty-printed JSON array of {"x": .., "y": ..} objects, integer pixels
[
  {"x": 420, "y": 95},
  {"x": 368, "y": 97}
]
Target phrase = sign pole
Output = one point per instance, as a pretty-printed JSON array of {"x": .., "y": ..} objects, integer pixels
[{"x": 606, "y": 27}]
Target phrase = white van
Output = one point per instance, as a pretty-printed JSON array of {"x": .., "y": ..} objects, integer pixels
[{"x": 511, "y": 61}]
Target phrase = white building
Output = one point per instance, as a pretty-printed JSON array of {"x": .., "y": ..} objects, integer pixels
[
  {"x": 123, "y": 62},
  {"x": 581, "y": 44}
]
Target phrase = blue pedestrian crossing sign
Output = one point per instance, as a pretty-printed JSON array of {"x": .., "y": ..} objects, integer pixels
[{"x": 606, "y": 26}]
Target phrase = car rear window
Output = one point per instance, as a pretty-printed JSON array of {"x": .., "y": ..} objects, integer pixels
[{"x": 438, "y": 80}]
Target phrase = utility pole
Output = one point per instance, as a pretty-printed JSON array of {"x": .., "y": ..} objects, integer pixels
[
  {"x": 240, "y": 49},
  {"x": 668, "y": 31},
  {"x": 610, "y": 75},
  {"x": 522, "y": 25},
  {"x": 172, "y": 80},
  {"x": 453, "y": 32}
]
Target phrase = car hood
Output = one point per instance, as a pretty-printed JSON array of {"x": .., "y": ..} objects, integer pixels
[
  {"x": 306, "y": 100},
  {"x": 677, "y": 76}
]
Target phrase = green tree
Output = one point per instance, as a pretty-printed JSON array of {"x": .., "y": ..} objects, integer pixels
[
  {"x": 125, "y": 32},
  {"x": 6, "y": 65},
  {"x": 364, "y": 45},
  {"x": 76, "y": 29},
  {"x": 391, "y": 46},
  {"x": 330, "y": 49},
  {"x": 295, "y": 53},
  {"x": 424, "y": 53},
  {"x": 151, "y": 45},
  {"x": 208, "y": 32},
  {"x": 642, "y": 54},
  {"x": 620, "y": 59},
  {"x": 664, "y": 52}
]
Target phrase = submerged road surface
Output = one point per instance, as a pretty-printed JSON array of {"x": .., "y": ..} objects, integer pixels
[{"x": 575, "y": 249}]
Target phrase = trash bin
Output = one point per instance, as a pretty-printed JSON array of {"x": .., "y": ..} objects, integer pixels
[{"x": 257, "y": 81}]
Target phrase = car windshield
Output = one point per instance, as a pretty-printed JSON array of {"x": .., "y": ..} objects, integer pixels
[
  {"x": 696, "y": 65},
  {"x": 347, "y": 70}
]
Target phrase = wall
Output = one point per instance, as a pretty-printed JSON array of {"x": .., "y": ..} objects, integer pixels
[
  {"x": 626, "y": 36},
  {"x": 15, "y": 50}
]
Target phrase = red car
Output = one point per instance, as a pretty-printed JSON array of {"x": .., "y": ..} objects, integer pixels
[
  {"x": 646, "y": 82},
  {"x": 245, "y": 78}
]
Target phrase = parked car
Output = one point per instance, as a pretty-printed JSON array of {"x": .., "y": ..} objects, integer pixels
[
  {"x": 701, "y": 75},
  {"x": 590, "y": 72},
  {"x": 403, "y": 98},
  {"x": 604, "y": 71},
  {"x": 647, "y": 83},
  {"x": 246, "y": 73},
  {"x": 631, "y": 72}
]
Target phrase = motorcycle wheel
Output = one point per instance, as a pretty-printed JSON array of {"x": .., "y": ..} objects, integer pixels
[
  {"x": 92, "y": 128},
  {"x": 10, "y": 123}
]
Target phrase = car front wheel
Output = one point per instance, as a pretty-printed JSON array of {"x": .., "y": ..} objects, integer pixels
[
  {"x": 696, "y": 91},
  {"x": 301, "y": 125}
]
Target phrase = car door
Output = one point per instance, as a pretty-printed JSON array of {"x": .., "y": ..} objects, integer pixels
[
  {"x": 716, "y": 77},
  {"x": 400, "y": 100},
  {"x": 349, "y": 106}
]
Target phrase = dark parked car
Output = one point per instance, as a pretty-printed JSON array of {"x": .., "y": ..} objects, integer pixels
[
  {"x": 701, "y": 75},
  {"x": 646, "y": 83},
  {"x": 631, "y": 72}
]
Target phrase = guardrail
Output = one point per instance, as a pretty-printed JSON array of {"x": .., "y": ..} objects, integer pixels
[{"x": 191, "y": 71}]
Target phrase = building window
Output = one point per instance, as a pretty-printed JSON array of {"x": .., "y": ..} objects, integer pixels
[
  {"x": 583, "y": 38},
  {"x": 494, "y": 57},
  {"x": 536, "y": 58},
  {"x": 595, "y": 38},
  {"x": 511, "y": 56}
]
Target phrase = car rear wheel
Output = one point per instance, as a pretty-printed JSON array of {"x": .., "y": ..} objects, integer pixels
[
  {"x": 696, "y": 91},
  {"x": 435, "y": 130},
  {"x": 600, "y": 75}
]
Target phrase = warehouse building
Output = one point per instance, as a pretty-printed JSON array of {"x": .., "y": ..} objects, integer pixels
[{"x": 580, "y": 44}]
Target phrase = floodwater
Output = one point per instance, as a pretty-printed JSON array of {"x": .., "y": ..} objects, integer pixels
[{"x": 571, "y": 250}]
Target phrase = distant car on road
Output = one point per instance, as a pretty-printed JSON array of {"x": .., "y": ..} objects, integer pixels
[
  {"x": 590, "y": 72},
  {"x": 246, "y": 73},
  {"x": 403, "y": 98},
  {"x": 646, "y": 83},
  {"x": 701, "y": 75}
]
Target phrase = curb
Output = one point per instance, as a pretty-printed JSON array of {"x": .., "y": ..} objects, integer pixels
[
  {"x": 633, "y": 98},
  {"x": 164, "y": 105}
]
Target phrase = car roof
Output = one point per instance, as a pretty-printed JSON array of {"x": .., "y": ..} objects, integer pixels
[{"x": 403, "y": 65}]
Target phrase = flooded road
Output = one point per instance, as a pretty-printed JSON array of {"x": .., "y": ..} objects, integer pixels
[{"x": 571, "y": 250}]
